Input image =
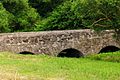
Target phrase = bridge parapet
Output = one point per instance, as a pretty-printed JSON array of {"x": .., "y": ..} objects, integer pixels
[{"x": 53, "y": 42}]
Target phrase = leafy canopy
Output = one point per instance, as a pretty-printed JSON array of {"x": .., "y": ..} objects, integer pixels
[{"x": 37, "y": 15}]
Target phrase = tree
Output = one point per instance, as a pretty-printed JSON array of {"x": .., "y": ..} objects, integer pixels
[
  {"x": 25, "y": 17},
  {"x": 63, "y": 17},
  {"x": 77, "y": 14},
  {"x": 44, "y": 7},
  {"x": 30, "y": 15},
  {"x": 101, "y": 15},
  {"x": 5, "y": 19}
]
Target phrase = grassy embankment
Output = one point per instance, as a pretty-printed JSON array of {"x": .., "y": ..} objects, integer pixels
[{"x": 37, "y": 67}]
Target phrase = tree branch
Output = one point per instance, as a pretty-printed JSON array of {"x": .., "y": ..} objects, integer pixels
[{"x": 101, "y": 19}]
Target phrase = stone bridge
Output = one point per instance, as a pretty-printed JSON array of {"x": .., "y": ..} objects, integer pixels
[{"x": 70, "y": 43}]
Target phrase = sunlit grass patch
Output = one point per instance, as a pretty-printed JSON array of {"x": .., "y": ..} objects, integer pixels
[{"x": 43, "y": 67}]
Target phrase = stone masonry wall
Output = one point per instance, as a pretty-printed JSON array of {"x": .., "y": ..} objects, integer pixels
[{"x": 53, "y": 42}]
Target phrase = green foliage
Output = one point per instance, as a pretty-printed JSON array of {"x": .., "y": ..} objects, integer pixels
[
  {"x": 25, "y": 17},
  {"x": 26, "y": 20},
  {"x": 63, "y": 17},
  {"x": 44, "y": 7},
  {"x": 15, "y": 6},
  {"x": 77, "y": 14},
  {"x": 31, "y": 15},
  {"x": 99, "y": 14},
  {"x": 5, "y": 19}
]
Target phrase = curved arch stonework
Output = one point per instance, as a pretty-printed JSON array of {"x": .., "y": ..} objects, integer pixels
[
  {"x": 109, "y": 48},
  {"x": 70, "y": 52},
  {"x": 26, "y": 53},
  {"x": 52, "y": 42}
]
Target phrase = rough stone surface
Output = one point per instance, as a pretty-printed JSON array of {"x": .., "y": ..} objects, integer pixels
[{"x": 53, "y": 42}]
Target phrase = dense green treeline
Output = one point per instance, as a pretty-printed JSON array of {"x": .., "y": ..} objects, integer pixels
[{"x": 39, "y": 15}]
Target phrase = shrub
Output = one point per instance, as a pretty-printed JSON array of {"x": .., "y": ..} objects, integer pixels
[
  {"x": 81, "y": 14},
  {"x": 63, "y": 14},
  {"x": 99, "y": 14},
  {"x": 44, "y": 7},
  {"x": 25, "y": 17},
  {"x": 5, "y": 19},
  {"x": 63, "y": 17}
]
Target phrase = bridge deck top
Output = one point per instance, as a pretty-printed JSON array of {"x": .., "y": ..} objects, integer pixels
[{"x": 51, "y": 32}]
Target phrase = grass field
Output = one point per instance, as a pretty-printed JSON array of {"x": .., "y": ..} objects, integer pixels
[{"x": 39, "y": 67}]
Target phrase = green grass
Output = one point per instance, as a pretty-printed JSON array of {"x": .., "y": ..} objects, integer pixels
[
  {"x": 38, "y": 67},
  {"x": 111, "y": 56}
]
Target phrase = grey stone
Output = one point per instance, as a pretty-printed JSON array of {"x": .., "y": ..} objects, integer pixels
[{"x": 53, "y": 42}]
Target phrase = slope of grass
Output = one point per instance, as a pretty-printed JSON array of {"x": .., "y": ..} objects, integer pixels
[
  {"x": 37, "y": 67},
  {"x": 110, "y": 56}
]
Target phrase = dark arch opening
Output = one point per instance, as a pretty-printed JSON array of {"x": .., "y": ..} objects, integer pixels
[
  {"x": 72, "y": 53},
  {"x": 26, "y": 53},
  {"x": 109, "y": 49}
]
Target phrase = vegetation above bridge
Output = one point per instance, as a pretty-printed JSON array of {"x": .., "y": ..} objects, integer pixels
[{"x": 40, "y": 15}]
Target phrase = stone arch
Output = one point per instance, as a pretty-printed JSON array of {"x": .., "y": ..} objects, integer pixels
[
  {"x": 70, "y": 52},
  {"x": 109, "y": 49},
  {"x": 26, "y": 53}
]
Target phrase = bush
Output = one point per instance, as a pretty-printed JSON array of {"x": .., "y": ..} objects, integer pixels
[
  {"x": 25, "y": 17},
  {"x": 63, "y": 17},
  {"x": 81, "y": 14},
  {"x": 44, "y": 7},
  {"x": 5, "y": 19},
  {"x": 63, "y": 14},
  {"x": 99, "y": 14}
]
